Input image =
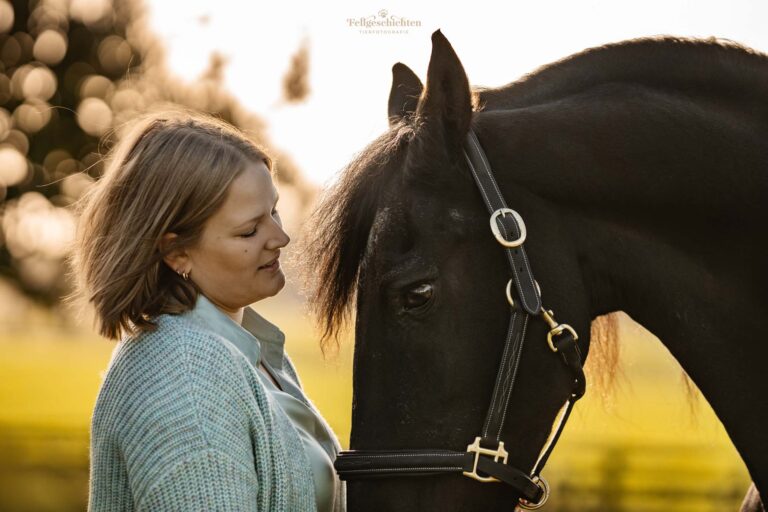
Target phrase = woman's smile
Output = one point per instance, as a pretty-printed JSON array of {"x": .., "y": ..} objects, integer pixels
[{"x": 272, "y": 266}]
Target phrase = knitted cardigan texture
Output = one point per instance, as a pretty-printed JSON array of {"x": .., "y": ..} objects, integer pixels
[{"x": 182, "y": 422}]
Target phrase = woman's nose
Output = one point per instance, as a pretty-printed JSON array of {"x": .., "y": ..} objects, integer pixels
[
  {"x": 285, "y": 239},
  {"x": 279, "y": 239}
]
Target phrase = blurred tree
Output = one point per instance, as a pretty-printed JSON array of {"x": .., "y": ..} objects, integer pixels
[
  {"x": 296, "y": 79},
  {"x": 71, "y": 73}
]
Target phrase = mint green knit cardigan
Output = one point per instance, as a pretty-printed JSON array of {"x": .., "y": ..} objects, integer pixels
[{"x": 182, "y": 422}]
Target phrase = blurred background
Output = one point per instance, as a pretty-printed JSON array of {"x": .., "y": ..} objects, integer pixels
[{"x": 310, "y": 83}]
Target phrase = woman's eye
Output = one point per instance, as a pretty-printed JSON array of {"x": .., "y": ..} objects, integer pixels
[
  {"x": 248, "y": 235},
  {"x": 417, "y": 296}
]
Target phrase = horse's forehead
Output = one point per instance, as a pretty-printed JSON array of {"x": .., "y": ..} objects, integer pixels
[
  {"x": 380, "y": 222},
  {"x": 395, "y": 220},
  {"x": 391, "y": 224}
]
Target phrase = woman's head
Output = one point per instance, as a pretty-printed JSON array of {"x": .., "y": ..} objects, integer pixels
[{"x": 182, "y": 193}]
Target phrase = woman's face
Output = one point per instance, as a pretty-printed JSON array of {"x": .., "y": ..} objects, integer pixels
[{"x": 236, "y": 261}]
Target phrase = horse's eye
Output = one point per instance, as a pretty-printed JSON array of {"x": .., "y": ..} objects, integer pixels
[{"x": 417, "y": 296}]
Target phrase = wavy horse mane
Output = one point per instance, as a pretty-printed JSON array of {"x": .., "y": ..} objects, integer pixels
[{"x": 698, "y": 67}]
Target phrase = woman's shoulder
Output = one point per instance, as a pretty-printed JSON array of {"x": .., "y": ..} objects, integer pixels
[
  {"x": 179, "y": 359},
  {"x": 175, "y": 338}
]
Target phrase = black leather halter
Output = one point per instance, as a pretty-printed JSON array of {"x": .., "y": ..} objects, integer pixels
[{"x": 485, "y": 459}]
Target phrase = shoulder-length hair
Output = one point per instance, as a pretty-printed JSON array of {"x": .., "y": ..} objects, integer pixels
[{"x": 170, "y": 172}]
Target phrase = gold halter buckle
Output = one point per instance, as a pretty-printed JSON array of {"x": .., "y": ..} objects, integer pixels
[{"x": 498, "y": 453}]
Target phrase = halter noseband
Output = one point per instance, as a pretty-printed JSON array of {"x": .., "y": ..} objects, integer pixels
[{"x": 485, "y": 459}]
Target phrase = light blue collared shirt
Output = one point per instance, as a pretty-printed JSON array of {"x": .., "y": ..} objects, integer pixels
[{"x": 263, "y": 342}]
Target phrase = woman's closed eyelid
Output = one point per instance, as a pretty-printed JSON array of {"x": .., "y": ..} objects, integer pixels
[
  {"x": 255, "y": 229},
  {"x": 249, "y": 234}
]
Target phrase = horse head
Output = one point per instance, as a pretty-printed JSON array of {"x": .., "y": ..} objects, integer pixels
[{"x": 406, "y": 233}]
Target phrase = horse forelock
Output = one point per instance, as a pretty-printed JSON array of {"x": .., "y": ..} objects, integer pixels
[{"x": 343, "y": 227}]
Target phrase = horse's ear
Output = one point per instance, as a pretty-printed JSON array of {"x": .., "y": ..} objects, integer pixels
[
  {"x": 447, "y": 99},
  {"x": 404, "y": 96}
]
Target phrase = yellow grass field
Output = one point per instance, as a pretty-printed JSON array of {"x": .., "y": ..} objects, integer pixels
[{"x": 650, "y": 447}]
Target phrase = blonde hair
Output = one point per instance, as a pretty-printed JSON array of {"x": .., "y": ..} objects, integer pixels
[{"x": 169, "y": 173}]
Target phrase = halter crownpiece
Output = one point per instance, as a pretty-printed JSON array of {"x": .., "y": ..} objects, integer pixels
[{"x": 485, "y": 458}]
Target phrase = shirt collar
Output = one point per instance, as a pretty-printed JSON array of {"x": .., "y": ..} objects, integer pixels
[{"x": 256, "y": 337}]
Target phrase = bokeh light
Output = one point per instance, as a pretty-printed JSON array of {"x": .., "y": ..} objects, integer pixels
[
  {"x": 5, "y": 88},
  {"x": 10, "y": 53},
  {"x": 94, "y": 116},
  {"x": 13, "y": 166},
  {"x": 75, "y": 185},
  {"x": 25, "y": 43},
  {"x": 38, "y": 83},
  {"x": 32, "y": 115},
  {"x": 17, "y": 81},
  {"x": 34, "y": 226},
  {"x": 18, "y": 140},
  {"x": 66, "y": 167},
  {"x": 6, "y": 16},
  {"x": 50, "y": 47},
  {"x": 90, "y": 12},
  {"x": 5, "y": 123},
  {"x": 97, "y": 86},
  {"x": 48, "y": 14},
  {"x": 114, "y": 54},
  {"x": 127, "y": 101}
]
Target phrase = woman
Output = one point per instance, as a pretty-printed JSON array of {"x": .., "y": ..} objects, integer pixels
[{"x": 200, "y": 408}]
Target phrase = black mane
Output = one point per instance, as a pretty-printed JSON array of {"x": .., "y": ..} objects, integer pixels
[
  {"x": 696, "y": 66},
  {"x": 338, "y": 232}
]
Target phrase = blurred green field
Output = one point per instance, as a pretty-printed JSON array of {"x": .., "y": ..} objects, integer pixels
[{"x": 650, "y": 447}]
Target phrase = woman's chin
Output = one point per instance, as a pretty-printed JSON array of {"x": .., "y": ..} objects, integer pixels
[
  {"x": 280, "y": 282},
  {"x": 277, "y": 285}
]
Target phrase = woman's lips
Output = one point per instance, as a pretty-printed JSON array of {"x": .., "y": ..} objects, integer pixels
[{"x": 272, "y": 266}]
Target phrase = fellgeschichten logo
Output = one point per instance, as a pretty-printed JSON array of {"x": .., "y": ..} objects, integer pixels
[{"x": 383, "y": 23}]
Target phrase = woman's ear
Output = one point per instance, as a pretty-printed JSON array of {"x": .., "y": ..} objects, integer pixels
[{"x": 176, "y": 258}]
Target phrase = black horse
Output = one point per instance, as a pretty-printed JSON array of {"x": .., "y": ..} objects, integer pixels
[{"x": 641, "y": 171}]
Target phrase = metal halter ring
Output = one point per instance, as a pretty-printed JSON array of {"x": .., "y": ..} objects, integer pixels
[
  {"x": 509, "y": 294},
  {"x": 497, "y": 232},
  {"x": 544, "y": 486}
]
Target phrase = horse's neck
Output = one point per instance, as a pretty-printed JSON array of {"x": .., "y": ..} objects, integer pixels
[
  {"x": 664, "y": 212},
  {"x": 706, "y": 311},
  {"x": 641, "y": 150}
]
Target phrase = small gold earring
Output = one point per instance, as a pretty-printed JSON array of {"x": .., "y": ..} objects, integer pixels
[{"x": 185, "y": 275}]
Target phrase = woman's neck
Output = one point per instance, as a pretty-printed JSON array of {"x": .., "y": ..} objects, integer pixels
[{"x": 235, "y": 314}]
